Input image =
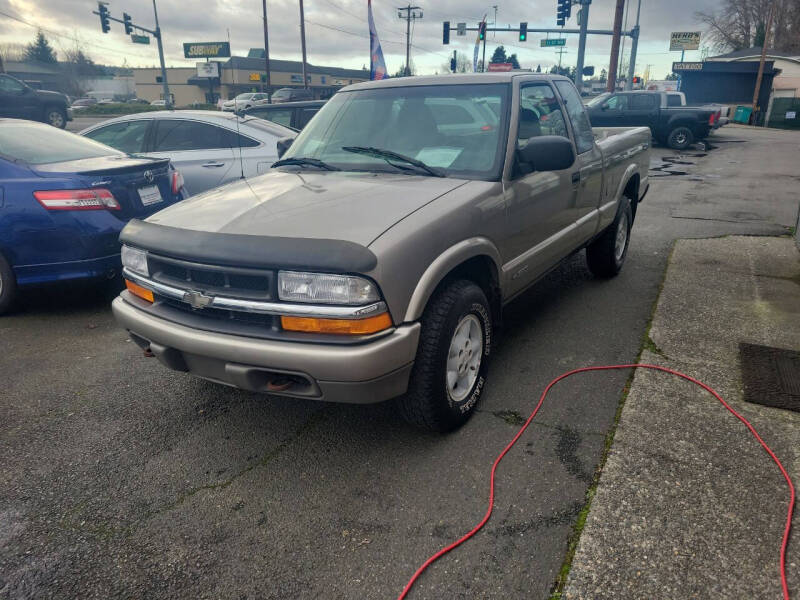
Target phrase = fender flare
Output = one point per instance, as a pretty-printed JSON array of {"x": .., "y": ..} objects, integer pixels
[
  {"x": 442, "y": 265},
  {"x": 625, "y": 179}
]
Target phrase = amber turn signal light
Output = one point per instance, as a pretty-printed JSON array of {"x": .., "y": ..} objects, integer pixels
[
  {"x": 139, "y": 291},
  {"x": 338, "y": 326}
]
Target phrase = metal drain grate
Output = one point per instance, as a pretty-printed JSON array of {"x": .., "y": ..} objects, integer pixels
[{"x": 771, "y": 376}]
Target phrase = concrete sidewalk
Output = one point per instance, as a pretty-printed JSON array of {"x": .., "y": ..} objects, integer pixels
[{"x": 689, "y": 505}]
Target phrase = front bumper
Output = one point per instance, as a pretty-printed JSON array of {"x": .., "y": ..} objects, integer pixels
[{"x": 360, "y": 374}]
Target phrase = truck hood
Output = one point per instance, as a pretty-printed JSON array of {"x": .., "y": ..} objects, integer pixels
[{"x": 354, "y": 207}]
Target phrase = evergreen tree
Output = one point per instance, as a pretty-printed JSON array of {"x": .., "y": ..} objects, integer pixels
[
  {"x": 499, "y": 55},
  {"x": 40, "y": 50},
  {"x": 514, "y": 61}
]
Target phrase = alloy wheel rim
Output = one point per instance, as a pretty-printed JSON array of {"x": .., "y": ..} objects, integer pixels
[
  {"x": 680, "y": 138},
  {"x": 622, "y": 237},
  {"x": 56, "y": 119},
  {"x": 464, "y": 358}
]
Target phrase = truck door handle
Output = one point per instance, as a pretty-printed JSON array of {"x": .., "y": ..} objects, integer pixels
[
  {"x": 576, "y": 177},
  {"x": 209, "y": 165}
]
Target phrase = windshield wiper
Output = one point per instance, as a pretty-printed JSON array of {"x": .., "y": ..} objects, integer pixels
[
  {"x": 300, "y": 160},
  {"x": 389, "y": 156}
]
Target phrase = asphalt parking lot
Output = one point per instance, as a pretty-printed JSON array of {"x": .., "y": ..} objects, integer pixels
[{"x": 120, "y": 479}]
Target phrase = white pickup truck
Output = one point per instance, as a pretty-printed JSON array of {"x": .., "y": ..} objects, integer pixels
[{"x": 374, "y": 259}]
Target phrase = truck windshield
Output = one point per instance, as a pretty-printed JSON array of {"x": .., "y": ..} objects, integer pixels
[{"x": 459, "y": 130}]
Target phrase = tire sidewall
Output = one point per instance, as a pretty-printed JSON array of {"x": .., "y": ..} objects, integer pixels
[
  {"x": 472, "y": 303},
  {"x": 9, "y": 287},
  {"x": 671, "y": 138},
  {"x": 627, "y": 212},
  {"x": 51, "y": 110}
]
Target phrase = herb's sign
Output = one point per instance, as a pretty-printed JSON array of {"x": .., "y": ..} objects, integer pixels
[
  {"x": 206, "y": 49},
  {"x": 684, "y": 40}
]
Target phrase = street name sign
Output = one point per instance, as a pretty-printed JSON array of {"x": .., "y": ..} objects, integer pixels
[{"x": 553, "y": 42}]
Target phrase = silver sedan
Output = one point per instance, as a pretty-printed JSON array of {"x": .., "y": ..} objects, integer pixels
[{"x": 209, "y": 148}]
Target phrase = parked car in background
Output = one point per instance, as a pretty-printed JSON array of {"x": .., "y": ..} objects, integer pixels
[
  {"x": 64, "y": 200},
  {"x": 374, "y": 259},
  {"x": 209, "y": 148},
  {"x": 18, "y": 100},
  {"x": 292, "y": 95},
  {"x": 289, "y": 114},
  {"x": 245, "y": 101},
  {"x": 671, "y": 124},
  {"x": 158, "y": 103},
  {"x": 82, "y": 103}
]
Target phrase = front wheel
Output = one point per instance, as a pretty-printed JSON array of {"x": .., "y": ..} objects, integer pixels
[
  {"x": 606, "y": 255},
  {"x": 55, "y": 116},
  {"x": 8, "y": 285},
  {"x": 680, "y": 138},
  {"x": 452, "y": 361}
]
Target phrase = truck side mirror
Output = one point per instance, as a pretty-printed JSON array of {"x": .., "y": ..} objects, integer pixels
[
  {"x": 283, "y": 145},
  {"x": 547, "y": 153}
]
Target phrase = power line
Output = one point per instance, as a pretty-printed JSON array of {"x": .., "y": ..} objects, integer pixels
[{"x": 73, "y": 39}]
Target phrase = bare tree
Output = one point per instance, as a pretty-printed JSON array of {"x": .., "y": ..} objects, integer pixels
[
  {"x": 463, "y": 64},
  {"x": 740, "y": 24},
  {"x": 12, "y": 52}
]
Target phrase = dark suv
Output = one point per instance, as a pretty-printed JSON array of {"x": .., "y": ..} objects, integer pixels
[
  {"x": 289, "y": 114},
  {"x": 292, "y": 95},
  {"x": 20, "y": 101}
]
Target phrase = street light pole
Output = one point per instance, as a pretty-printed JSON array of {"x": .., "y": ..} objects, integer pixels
[
  {"x": 164, "y": 84},
  {"x": 634, "y": 47},
  {"x": 266, "y": 51},
  {"x": 303, "y": 43},
  {"x": 584, "y": 24}
]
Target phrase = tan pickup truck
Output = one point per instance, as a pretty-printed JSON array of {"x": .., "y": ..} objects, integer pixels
[{"x": 374, "y": 260}]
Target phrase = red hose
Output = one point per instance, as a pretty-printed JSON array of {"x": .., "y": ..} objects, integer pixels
[{"x": 446, "y": 549}]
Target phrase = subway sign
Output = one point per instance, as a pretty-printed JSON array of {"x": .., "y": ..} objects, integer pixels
[{"x": 206, "y": 49}]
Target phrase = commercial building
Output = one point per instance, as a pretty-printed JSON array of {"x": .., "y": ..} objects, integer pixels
[{"x": 240, "y": 74}]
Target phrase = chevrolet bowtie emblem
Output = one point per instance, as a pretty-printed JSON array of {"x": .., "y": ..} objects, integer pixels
[{"x": 197, "y": 299}]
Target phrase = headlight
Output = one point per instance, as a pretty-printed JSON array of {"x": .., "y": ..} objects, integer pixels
[
  {"x": 323, "y": 288},
  {"x": 135, "y": 260}
]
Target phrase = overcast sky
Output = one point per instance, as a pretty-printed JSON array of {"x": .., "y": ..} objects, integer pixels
[{"x": 336, "y": 30}]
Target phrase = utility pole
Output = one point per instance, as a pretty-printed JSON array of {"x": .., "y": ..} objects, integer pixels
[
  {"x": 411, "y": 14},
  {"x": 302, "y": 42},
  {"x": 266, "y": 52},
  {"x": 584, "y": 23},
  {"x": 760, "y": 76},
  {"x": 164, "y": 84},
  {"x": 612, "y": 67},
  {"x": 560, "y": 52},
  {"x": 634, "y": 47}
]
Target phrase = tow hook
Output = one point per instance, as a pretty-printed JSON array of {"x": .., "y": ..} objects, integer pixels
[{"x": 148, "y": 353}]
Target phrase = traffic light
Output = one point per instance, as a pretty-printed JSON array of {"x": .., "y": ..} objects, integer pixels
[
  {"x": 127, "y": 22},
  {"x": 482, "y": 31},
  {"x": 453, "y": 65},
  {"x": 523, "y": 32},
  {"x": 446, "y": 32},
  {"x": 104, "y": 25},
  {"x": 563, "y": 12}
]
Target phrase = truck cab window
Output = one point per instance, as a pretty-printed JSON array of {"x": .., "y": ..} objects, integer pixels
[
  {"x": 581, "y": 127},
  {"x": 617, "y": 102},
  {"x": 539, "y": 114}
]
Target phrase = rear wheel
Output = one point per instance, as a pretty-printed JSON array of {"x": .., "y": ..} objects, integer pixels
[
  {"x": 8, "y": 285},
  {"x": 680, "y": 138},
  {"x": 452, "y": 359},
  {"x": 55, "y": 116},
  {"x": 606, "y": 255}
]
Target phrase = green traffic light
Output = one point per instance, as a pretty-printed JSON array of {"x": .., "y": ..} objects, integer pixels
[{"x": 522, "y": 37}]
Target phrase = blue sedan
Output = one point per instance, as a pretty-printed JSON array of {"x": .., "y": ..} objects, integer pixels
[{"x": 63, "y": 201}]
